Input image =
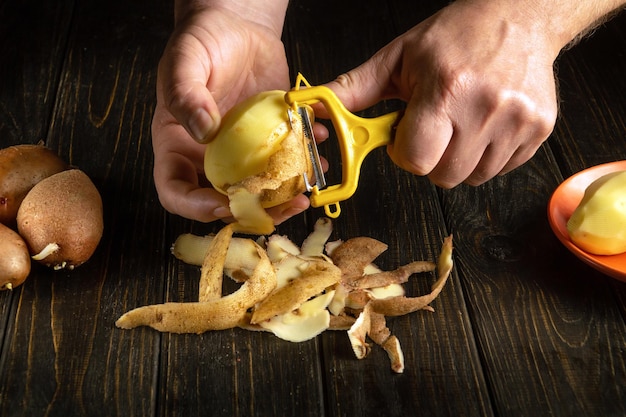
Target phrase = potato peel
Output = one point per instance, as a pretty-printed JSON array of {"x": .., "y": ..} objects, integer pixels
[
  {"x": 353, "y": 255},
  {"x": 313, "y": 245},
  {"x": 399, "y": 306},
  {"x": 372, "y": 324},
  {"x": 250, "y": 214},
  {"x": 240, "y": 261},
  {"x": 317, "y": 276},
  {"x": 296, "y": 292},
  {"x": 212, "y": 272},
  {"x": 304, "y": 323},
  {"x": 198, "y": 317},
  {"x": 341, "y": 322},
  {"x": 358, "y": 332},
  {"x": 395, "y": 354},
  {"x": 397, "y": 276},
  {"x": 279, "y": 247}
]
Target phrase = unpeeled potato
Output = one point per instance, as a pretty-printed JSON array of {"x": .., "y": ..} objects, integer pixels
[
  {"x": 14, "y": 259},
  {"x": 61, "y": 219},
  {"x": 21, "y": 167}
]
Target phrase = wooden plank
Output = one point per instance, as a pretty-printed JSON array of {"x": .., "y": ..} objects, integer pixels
[
  {"x": 512, "y": 333},
  {"x": 544, "y": 328},
  {"x": 235, "y": 372},
  {"x": 31, "y": 63},
  {"x": 592, "y": 79},
  {"x": 32, "y": 55},
  {"x": 591, "y": 128},
  {"x": 439, "y": 363},
  {"x": 403, "y": 211},
  {"x": 63, "y": 355}
]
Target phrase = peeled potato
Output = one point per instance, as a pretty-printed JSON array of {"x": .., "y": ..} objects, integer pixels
[
  {"x": 14, "y": 259},
  {"x": 257, "y": 145},
  {"x": 21, "y": 167},
  {"x": 61, "y": 219},
  {"x": 598, "y": 225},
  {"x": 259, "y": 159}
]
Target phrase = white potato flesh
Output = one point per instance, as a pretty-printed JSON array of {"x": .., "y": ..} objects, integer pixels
[{"x": 311, "y": 319}]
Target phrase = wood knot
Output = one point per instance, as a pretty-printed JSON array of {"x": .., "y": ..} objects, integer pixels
[{"x": 502, "y": 248}]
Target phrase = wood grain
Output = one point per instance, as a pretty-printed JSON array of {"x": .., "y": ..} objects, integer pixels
[{"x": 522, "y": 327}]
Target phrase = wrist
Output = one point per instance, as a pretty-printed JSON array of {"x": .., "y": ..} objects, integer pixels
[{"x": 269, "y": 13}]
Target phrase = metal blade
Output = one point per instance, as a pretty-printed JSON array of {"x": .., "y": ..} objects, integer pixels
[{"x": 307, "y": 128}]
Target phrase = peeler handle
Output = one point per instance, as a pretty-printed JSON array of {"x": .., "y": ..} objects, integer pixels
[{"x": 357, "y": 137}]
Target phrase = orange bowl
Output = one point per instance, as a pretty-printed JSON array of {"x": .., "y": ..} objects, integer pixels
[{"x": 562, "y": 204}]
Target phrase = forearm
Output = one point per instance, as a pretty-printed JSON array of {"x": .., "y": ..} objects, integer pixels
[
  {"x": 270, "y": 13},
  {"x": 571, "y": 20},
  {"x": 561, "y": 22},
  {"x": 603, "y": 12}
]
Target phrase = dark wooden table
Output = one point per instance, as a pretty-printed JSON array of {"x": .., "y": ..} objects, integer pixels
[{"x": 523, "y": 328}]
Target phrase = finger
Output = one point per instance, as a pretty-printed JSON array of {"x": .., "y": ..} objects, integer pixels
[
  {"x": 320, "y": 132},
  {"x": 183, "y": 84},
  {"x": 369, "y": 83},
  {"x": 523, "y": 134},
  {"x": 422, "y": 137},
  {"x": 192, "y": 202},
  {"x": 176, "y": 180},
  {"x": 503, "y": 149},
  {"x": 490, "y": 164},
  {"x": 289, "y": 209},
  {"x": 521, "y": 155},
  {"x": 528, "y": 148},
  {"x": 177, "y": 164}
]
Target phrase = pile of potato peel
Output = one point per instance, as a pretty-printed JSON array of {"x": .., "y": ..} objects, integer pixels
[{"x": 295, "y": 292}]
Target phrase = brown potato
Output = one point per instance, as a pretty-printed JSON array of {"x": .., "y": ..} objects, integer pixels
[
  {"x": 61, "y": 219},
  {"x": 21, "y": 167},
  {"x": 15, "y": 259}
]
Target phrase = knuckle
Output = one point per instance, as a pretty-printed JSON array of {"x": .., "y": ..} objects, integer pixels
[
  {"x": 175, "y": 96},
  {"x": 412, "y": 164},
  {"x": 455, "y": 82}
]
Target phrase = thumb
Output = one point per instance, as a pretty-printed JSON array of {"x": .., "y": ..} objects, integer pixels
[
  {"x": 182, "y": 87},
  {"x": 367, "y": 84}
]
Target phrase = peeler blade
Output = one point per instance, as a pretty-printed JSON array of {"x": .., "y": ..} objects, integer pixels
[{"x": 307, "y": 128}]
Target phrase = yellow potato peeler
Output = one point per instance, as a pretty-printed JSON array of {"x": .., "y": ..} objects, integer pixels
[{"x": 357, "y": 137}]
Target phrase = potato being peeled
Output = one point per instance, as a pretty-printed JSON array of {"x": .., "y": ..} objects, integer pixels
[
  {"x": 14, "y": 259},
  {"x": 598, "y": 225},
  {"x": 61, "y": 219},
  {"x": 21, "y": 167},
  {"x": 259, "y": 159}
]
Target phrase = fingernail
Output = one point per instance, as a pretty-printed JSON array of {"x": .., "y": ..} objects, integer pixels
[
  {"x": 221, "y": 212},
  {"x": 201, "y": 124}
]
